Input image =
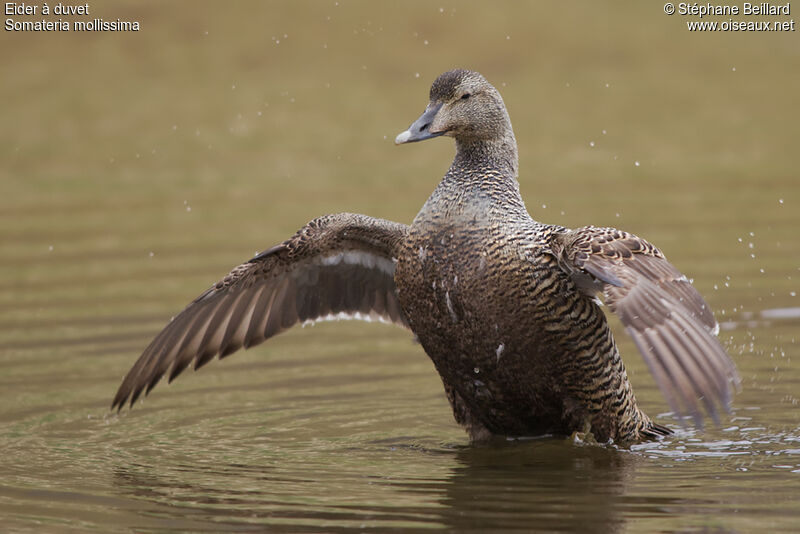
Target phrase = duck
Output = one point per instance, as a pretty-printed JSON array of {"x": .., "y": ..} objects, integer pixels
[{"x": 511, "y": 311}]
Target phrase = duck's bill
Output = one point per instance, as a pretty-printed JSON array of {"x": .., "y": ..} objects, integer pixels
[{"x": 421, "y": 128}]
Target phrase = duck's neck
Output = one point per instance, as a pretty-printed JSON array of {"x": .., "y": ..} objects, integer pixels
[
  {"x": 495, "y": 154},
  {"x": 481, "y": 183},
  {"x": 493, "y": 160}
]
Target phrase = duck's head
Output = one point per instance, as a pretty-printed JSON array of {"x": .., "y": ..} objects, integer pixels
[{"x": 463, "y": 105}]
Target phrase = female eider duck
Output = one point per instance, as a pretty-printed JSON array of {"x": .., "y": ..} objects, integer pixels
[{"x": 505, "y": 306}]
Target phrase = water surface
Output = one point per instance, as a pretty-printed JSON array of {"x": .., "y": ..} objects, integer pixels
[{"x": 137, "y": 169}]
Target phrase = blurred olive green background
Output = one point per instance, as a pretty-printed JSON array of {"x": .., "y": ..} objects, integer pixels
[{"x": 138, "y": 167}]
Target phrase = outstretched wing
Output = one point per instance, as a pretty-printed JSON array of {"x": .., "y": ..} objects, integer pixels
[
  {"x": 338, "y": 266},
  {"x": 670, "y": 323}
]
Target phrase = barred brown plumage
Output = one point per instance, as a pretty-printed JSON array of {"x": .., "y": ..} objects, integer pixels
[{"x": 506, "y": 307}]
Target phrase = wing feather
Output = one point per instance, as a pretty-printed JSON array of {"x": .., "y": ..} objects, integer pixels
[
  {"x": 339, "y": 266},
  {"x": 669, "y": 321}
]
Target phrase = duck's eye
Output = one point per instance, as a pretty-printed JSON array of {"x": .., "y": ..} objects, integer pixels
[{"x": 465, "y": 96}]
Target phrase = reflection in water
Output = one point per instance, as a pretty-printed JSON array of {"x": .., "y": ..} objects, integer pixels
[
  {"x": 541, "y": 485},
  {"x": 545, "y": 485}
]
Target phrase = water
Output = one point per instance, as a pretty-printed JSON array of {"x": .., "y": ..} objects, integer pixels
[{"x": 137, "y": 169}]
